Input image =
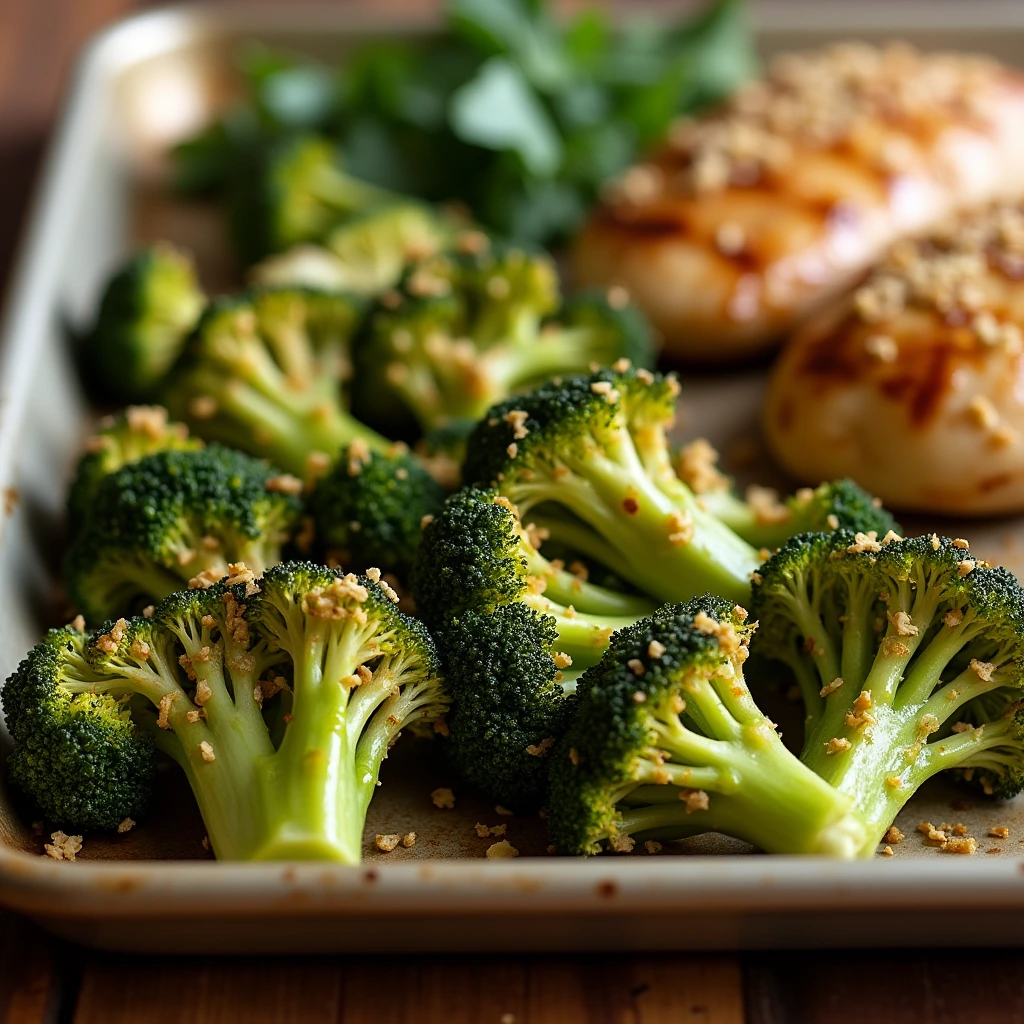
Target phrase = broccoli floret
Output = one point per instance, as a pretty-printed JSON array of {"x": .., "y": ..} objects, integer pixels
[
  {"x": 466, "y": 329},
  {"x": 264, "y": 372},
  {"x": 361, "y": 672},
  {"x": 587, "y": 459},
  {"x": 196, "y": 676},
  {"x": 294, "y": 190},
  {"x": 514, "y": 631},
  {"x": 172, "y": 516},
  {"x": 365, "y": 255},
  {"x": 147, "y": 310},
  {"x": 370, "y": 507},
  {"x": 125, "y": 437},
  {"x": 909, "y": 656},
  {"x": 77, "y": 753},
  {"x": 666, "y": 742}
]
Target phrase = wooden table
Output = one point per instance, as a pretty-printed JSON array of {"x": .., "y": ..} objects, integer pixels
[{"x": 43, "y": 980}]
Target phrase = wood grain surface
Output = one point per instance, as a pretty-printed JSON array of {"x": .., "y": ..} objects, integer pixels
[{"x": 43, "y": 981}]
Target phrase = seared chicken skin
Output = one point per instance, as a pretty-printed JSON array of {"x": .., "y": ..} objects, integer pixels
[
  {"x": 744, "y": 222},
  {"x": 914, "y": 384}
]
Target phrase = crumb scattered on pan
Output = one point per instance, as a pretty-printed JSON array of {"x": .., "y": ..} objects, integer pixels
[
  {"x": 503, "y": 850},
  {"x": 498, "y": 809},
  {"x": 894, "y": 835},
  {"x": 409, "y": 840},
  {"x": 652, "y": 846},
  {"x": 443, "y": 797},
  {"x": 887, "y": 851},
  {"x": 994, "y": 849},
  {"x": 964, "y": 845},
  {"x": 387, "y": 843},
  {"x": 621, "y": 843},
  {"x": 126, "y": 826},
  {"x": 999, "y": 832},
  {"x": 483, "y": 831},
  {"x": 63, "y": 847}
]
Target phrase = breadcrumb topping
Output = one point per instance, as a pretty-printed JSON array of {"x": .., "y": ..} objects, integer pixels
[
  {"x": 206, "y": 752},
  {"x": 696, "y": 465},
  {"x": 999, "y": 832},
  {"x": 982, "y": 669},
  {"x": 502, "y": 850},
  {"x": 621, "y": 843},
  {"x": 695, "y": 800},
  {"x": 284, "y": 483},
  {"x": 894, "y": 835},
  {"x": 443, "y": 798},
  {"x": 541, "y": 749},
  {"x": 63, "y": 847},
  {"x": 829, "y": 688},
  {"x": 837, "y": 745},
  {"x": 485, "y": 831},
  {"x": 386, "y": 843}
]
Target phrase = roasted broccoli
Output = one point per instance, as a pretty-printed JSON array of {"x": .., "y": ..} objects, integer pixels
[
  {"x": 514, "y": 631},
  {"x": 370, "y": 507},
  {"x": 294, "y": 190},
  {"x": 125, "y": 437},
  {"x": 172, "y": 516},
  {"x": 909, "y": 655},
  {"x": 193, "y": 679},
  {"x": 762, "y": 519},
  {"x": 264, "y": 372},
  {"x": 586, "y": 458},
  {"x": 147, "y": 310},
  {"x": 365, "y": 255},
  {"x": 466, "y": 329},
  {"x": 666, "y": 742}
]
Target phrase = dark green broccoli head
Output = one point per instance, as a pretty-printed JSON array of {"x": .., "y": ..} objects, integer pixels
[
  {"x": 264, "y": 372},
  {"x": 126, "y": 437},
  {"x": 533, "y": 433},
  {"x": 147, "y": 310},
  {"x": 77, "y": 754},
  {"x": 174, "y": 515},
  {"x": 841, "y": 504},
  {"x": 370, "y": 507},
  {"x": 510, "y": 701},
  {"x": 294, "y": 190}
]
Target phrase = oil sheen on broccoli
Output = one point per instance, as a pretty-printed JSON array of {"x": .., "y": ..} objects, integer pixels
[
  {"x": 666, "y": 742},
  {"x": 196, "y": 680},
  {"x": 169, "y": 517},
  {"x": 909, "y": 656}
]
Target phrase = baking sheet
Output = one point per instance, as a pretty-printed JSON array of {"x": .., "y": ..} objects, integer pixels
[{"x": 143, "y": 85}]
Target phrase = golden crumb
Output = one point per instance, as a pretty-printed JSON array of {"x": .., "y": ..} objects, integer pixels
[
  {"x": 443, "y": 798},
  {"x": 636, "y": 666},
  {"x": 999, "y": 832},
  {"x": 695, "y": 800},
  {"x": 652, "y": 846},
  {"x": 893, "y": 835},
  {"x": 77, "y": 624},
  {"x": 206, "y": 752},
  {"x": 639, "y": 697},
  {"x": 982, "y": 669},
  {"x": 887, "y": 851},
  {"x": 864, "y": 543},
  {"x": 485, "y": 831},
  {"x": 837, "y": 745},
  {"x": 894, "y": 782},
  {"x": 62, "y": 846},
  {"x": 504, "y": 811},
  {"x": 621, "y": 843},
  {"x": 902, "y": 623},
  {"x": 541, "y": 749},
  {"x": 561, "y": 659},
  {"x": 164, "y": 710},
  {"x": 655, "y": 649},
  {"x": 966, "y": 566},
  {"x": 387, "y": 843},
  {"x": 894, "y": 648},
  {"x": 953, "y": 618},
  {"x": 502, "y": 850},
  {"x": 516, "y": 419},
  {"x": 832, "y": 520},
  {"x": 962, "y": 845},
  {"x": 284, "y": 483},
  {"x": 409, "y": 840},
  {"x": 830, "y": 688}
]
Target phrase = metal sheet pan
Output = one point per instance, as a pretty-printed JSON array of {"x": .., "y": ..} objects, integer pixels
[{"x": 140, "y": 86}]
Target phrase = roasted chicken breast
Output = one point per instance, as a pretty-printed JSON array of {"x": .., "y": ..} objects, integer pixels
[
  {"x": 914, "y": 384},
  {"x": 744, "y": 222}
]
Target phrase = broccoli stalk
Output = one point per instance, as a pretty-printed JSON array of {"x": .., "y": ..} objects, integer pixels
[
  {"x": 361, "y": 672},
  {"x": 587, "y": 459},
  {"x": 264, "y": 373},
  {"x": 193, "y": 679},
  {"x": 908, "y": 655},
  {"x": 464, "y": 331},
  {"x": 764, "y": 521},
  {"x": 666, "y": 742}
]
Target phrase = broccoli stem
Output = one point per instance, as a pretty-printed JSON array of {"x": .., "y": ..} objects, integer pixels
[{"x": 615, "y": 496}]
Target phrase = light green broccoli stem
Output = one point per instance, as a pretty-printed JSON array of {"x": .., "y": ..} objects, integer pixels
[
  {"x": 672, "y": 549},
  {"x": 743, "y": 782}
]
